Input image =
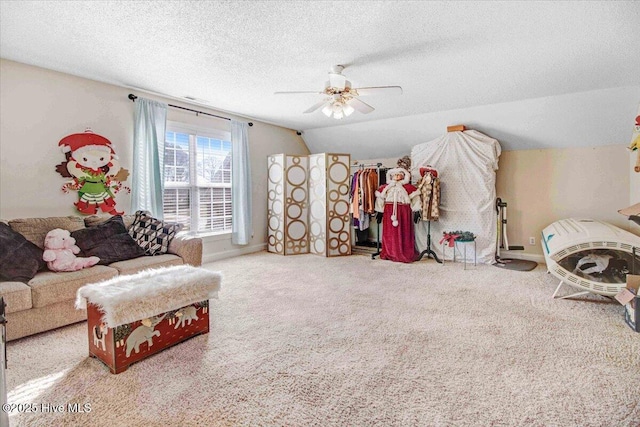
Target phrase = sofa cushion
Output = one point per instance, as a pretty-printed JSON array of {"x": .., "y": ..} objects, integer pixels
[
  {"x": 151, "y": 234},
  {"x": 135, "y": 265},
  {"x": 20, "y": 259},
  {"x": 48, "y": 287},
  {"x": 36, "y": 229},
  {"x": 17, "y": 296},
  {"x": 109, "y": 241},
  {"x": 90, "y": 221},
  {"x": 28, "y": 322}
]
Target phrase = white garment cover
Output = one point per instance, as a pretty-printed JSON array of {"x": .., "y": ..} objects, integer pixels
[{"x": 466, "y": 163}]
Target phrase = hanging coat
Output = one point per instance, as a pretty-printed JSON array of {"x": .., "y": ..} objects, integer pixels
[{"x": 429, "y": 187}]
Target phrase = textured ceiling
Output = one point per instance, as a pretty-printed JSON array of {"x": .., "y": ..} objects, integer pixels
[{"x": 445, "y": 55}]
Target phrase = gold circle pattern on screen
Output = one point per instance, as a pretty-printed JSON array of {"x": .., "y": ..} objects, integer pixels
[
  {"x": 275, "y": 214},
  {"x": 296, "y": 230},
  {"x": 338, "y": 209}
]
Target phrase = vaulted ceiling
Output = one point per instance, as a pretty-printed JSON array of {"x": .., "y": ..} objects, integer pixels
[{"x": 447, "y": 56}]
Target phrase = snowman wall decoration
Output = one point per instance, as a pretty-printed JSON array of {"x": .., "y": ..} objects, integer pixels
[{"x": 92, "y": 164}]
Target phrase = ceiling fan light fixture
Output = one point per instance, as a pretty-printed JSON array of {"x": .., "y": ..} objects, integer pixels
[
  {"x": 327, "y": 110},
  {"x": 347, "y": 110},
  {"x": 341, "y": 99}
]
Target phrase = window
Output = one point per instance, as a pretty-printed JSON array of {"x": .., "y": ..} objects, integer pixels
[{"x": 197, "y": 178}]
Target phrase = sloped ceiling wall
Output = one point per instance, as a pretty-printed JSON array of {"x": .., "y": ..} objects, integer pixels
[
  {"x": 586, "y": 119},
  {"x": 232, "y": 56}
]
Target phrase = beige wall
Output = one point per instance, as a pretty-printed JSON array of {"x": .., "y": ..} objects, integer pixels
[
  {"x": 542, "y": 186},
  {"x": 39, "y": 107}
]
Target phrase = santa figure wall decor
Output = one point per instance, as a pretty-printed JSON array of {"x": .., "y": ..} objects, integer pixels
[
  {"x": 396, "y": 201},
  {"x": 92, "y": 164}
]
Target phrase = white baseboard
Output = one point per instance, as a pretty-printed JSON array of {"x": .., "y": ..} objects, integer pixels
[
  {"x": 211, "y": 257},
  {"x": 520, "y": 255}
]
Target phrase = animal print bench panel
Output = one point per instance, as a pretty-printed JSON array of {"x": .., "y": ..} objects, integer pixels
[{"x": 126, "y": 344}]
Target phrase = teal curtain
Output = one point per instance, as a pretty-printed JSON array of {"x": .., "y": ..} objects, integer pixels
[
  {"x": 242, "y": 228},
  {"x": 148, "y": 156}
]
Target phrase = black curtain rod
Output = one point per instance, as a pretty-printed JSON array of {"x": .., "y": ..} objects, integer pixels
[{"x": 133, "y": 98}]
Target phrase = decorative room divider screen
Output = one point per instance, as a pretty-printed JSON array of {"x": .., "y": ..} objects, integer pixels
[{"x": 308, "y": 204}]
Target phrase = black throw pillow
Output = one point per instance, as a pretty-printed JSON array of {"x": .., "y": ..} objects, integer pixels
[
  {"x": 109, "y": 241},
  {"x": 20, "y": 259}
]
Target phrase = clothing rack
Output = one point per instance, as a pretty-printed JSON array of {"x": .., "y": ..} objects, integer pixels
[
  {"x": 133, "y": 98},
  {"x": 362, "y": 165},
  {"x": 378, "y": 166}
]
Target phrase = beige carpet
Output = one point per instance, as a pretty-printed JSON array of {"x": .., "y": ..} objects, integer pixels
[{"x": 311, "y": 341}]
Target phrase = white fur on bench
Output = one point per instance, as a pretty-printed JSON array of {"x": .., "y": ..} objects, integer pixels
[{"x": 125, "y": 299}]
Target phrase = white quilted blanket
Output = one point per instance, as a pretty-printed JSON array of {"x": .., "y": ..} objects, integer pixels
[
  {"x": 125, "y": 299},
  {"x": 466, "y": 163}
]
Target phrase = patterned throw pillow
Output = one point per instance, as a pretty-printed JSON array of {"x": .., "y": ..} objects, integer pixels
[{"x": 151, "y": 234}]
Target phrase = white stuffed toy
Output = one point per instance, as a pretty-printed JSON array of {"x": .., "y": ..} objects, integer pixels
[{"x": 60, "y": 252}]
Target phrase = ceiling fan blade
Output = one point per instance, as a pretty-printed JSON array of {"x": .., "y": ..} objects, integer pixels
[
  {"x": 375, "y": 90},
  {"x": 295, "y": 92},
  {"x": 362, "y": 107},
  {"x": 337, "y": 81},
  {"x": 315, "y": 107}
]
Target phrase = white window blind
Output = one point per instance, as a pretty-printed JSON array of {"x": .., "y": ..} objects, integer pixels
[{"x": 197, "y": 179}]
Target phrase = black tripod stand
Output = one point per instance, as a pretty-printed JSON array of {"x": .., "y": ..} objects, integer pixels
[{"x": 429, "y": 252}]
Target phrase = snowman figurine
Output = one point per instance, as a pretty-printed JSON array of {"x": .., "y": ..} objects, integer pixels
[{"x": 92, "y": 164}]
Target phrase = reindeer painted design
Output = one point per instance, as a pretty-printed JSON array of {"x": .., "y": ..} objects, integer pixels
[
  {"x": 171, "y": 317},
  {"x": 205, "y": 306},
  {"x": 99, "y": 335},
  {"x": 120, "y": 333},
  {"x": 142, "y": 333},
  {"x": 186, "y": 314}
]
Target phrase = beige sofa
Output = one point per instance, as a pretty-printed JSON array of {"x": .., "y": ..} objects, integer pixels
[{"x": 47, "y": 301}]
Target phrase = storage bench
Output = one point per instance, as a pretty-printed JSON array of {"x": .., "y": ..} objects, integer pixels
[{"x": 132, "y": 317}]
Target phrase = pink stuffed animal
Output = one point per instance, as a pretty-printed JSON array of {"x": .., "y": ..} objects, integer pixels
[{"x": 60, "y": 252}]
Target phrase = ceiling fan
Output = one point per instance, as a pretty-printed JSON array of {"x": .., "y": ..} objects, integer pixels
[{"x": 341, "y": 99}]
